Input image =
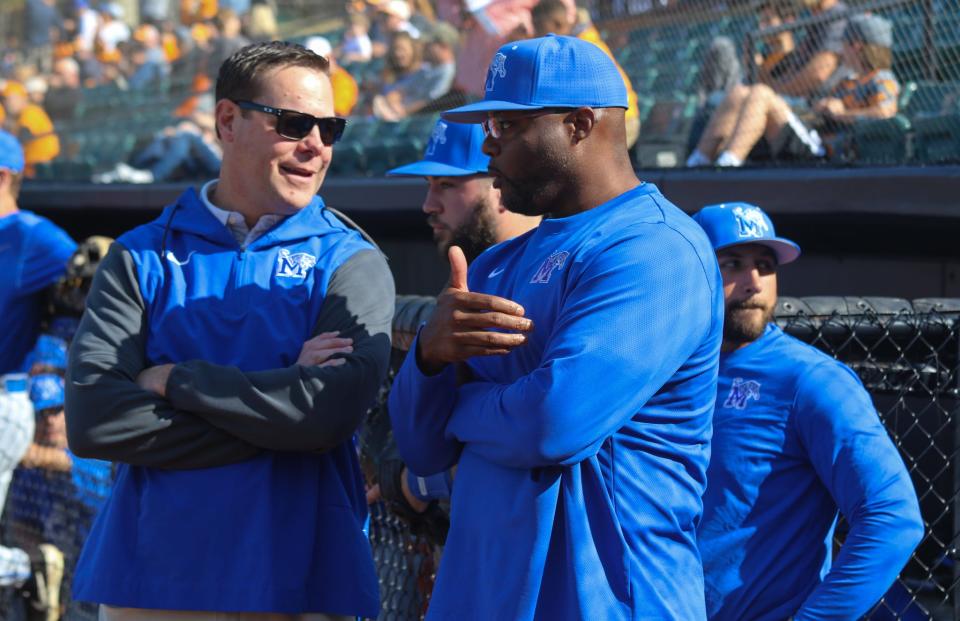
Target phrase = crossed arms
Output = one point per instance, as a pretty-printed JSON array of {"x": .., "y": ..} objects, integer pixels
[{"x": 213, "y": 415}]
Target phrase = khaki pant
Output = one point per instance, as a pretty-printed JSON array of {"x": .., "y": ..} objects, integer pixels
[{"x": 109, "y": 613}]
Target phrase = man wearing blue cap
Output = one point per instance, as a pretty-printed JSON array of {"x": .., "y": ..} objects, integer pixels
[
  {"x": 462, "y": 206},
  {"x": 795, "y": 437},
  {"x": 33, "y": 253},
  {"x": 463, "y": 209},
  {"x": 571, "y": 372}
]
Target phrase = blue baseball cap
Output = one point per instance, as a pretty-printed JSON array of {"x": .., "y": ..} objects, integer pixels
[
  {"x": 734, "y": 224},
  {"x": 50, "y": 350},
  {"x": 11, "y": 153},
  {"x": 46, "y": 391},
  {"x": 454, "y": 150},
  {"x": 548, "y": 72}
]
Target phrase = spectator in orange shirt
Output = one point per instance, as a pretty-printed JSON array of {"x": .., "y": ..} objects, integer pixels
[
  {"x": 31, "y": 125},
  {"x": 345, "y": 90},
  {"x": 554, "y": 16}
]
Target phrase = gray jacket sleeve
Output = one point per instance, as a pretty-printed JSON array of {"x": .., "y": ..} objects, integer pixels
[
  {"x": 108, "y": 415},
  {"x": 304, "y": 408}
]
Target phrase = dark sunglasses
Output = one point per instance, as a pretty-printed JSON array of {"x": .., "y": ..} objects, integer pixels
[{"x": 296, "y": 125}]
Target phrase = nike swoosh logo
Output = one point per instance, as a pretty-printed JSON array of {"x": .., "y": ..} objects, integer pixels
[
  {"x": 495, "y": 273},
  {"x": 176, "y": 261}
]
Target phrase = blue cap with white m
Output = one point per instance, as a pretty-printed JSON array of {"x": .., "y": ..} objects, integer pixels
[
  {"x": 548, "y": 72},
  {"x": 46, "y": 391},
  {"x": 733, "y": 224},
  {"x": 454, "y": 150}
]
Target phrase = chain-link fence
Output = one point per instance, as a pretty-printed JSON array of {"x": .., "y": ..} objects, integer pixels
[
  {"x": 907, "y": 355},
  {"x": 695, "y": 65},
  {"x": 717, "y": 82}
]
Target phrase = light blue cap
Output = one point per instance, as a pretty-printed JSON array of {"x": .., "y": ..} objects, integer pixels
[
  {"x": 454, "y": 150},
  {"x": 11, "y": 153},
  {"x": 733, "y": 224},
  {"x": 46, "y": 391},
  {"x": 548, "y": 72}
]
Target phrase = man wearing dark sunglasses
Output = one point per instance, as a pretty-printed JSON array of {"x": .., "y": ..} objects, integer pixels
[
  {"x": 227, "y": 355},
  {"x": 571, "y": 372}
]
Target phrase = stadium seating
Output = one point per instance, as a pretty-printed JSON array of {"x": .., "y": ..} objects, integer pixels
[
  {"x": 663, "y": 62},
  {"x": 937, "y": 139},
  {"x": 881, "y": 142}
]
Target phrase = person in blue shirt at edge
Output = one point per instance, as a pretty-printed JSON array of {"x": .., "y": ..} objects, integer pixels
[
  {"x": 795, "y": 437},
  {"x": 463, "y": 209},
  {"x": 33, "y": 255},
  {"x": 228, "y": 353},
  {"x": 571, "y": 372}
]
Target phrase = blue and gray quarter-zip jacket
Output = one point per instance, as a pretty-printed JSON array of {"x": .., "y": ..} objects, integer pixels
[{"x": 239, "y": 491}]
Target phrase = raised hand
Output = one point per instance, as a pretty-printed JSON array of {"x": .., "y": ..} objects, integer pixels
[
  {"x": 460, "y": 327},
  {"x": 318, "y": 350}
]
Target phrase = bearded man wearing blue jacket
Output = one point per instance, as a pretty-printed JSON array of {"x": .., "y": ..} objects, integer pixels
[
  {"x": 571, "y": 372},
  {"x": 228, "y": 352},
  {"x": 795, "y": 438}
]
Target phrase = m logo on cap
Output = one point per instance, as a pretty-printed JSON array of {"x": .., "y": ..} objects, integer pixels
[
  {"x": 439, "y": 136},
  {"x": 750, "y": 222},
  {"x": 498, "y": 68}
]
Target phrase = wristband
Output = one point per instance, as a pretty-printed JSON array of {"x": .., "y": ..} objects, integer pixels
[{"x": 430, "y": 488}]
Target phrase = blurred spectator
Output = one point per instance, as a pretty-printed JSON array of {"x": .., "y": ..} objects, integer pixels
[
  {"x": 42, "y": 24},
  {"x": 33, "y": 255},
  {"x": 48, "y": 449},
  {"x": 49, "y": 355},
  {"x": 871, "y": 93},
  {"x": 721, "y": 70},
  {"x": 404, "y": 57},
  {"x": 554, "y": 16},
  {"x": 227, "y": 42},
  {"x": 356, "y": 46},
  {"x": 345, "y": 90},
  {"x": 433, "y": 79},
  {"x": 156, "y": 11},
  {"x": 486, "y": 26},
  {"x": 37, "y": 571},
  {"x": 811, "y": 68},
  {"x": 393, "y": 16},
  {"x": 64, "y": 93},
  {"x": 193, "y": 11},
  {"x": 36, "y": 88},
  {"x": 87, "y": 24},
  {"x": 240, "y": 7},
  {"x": 31, "y": 125},
  {"x": 111, "y": 33},
  {"x": 150, "y": 66},
  {"x": 262, "y": 22},
  {"x": 189, "y": 148}
]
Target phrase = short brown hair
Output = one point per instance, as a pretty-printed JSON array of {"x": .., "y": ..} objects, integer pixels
[{"x": 239, "y": 75}]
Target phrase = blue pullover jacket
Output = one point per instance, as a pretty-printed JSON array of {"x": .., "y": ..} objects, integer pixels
[
  {"x": 583, "y": 454},
  {"x": 239, "y": 491},
  {"x": 795, "y": 437}
]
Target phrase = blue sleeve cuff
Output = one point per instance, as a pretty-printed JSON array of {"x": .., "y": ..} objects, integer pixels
[{"x": 429, "y": 488}]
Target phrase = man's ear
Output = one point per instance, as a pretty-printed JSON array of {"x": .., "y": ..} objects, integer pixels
[
  {"x": 584, "y": 121},
  {"x": 225, "y": 115}
]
